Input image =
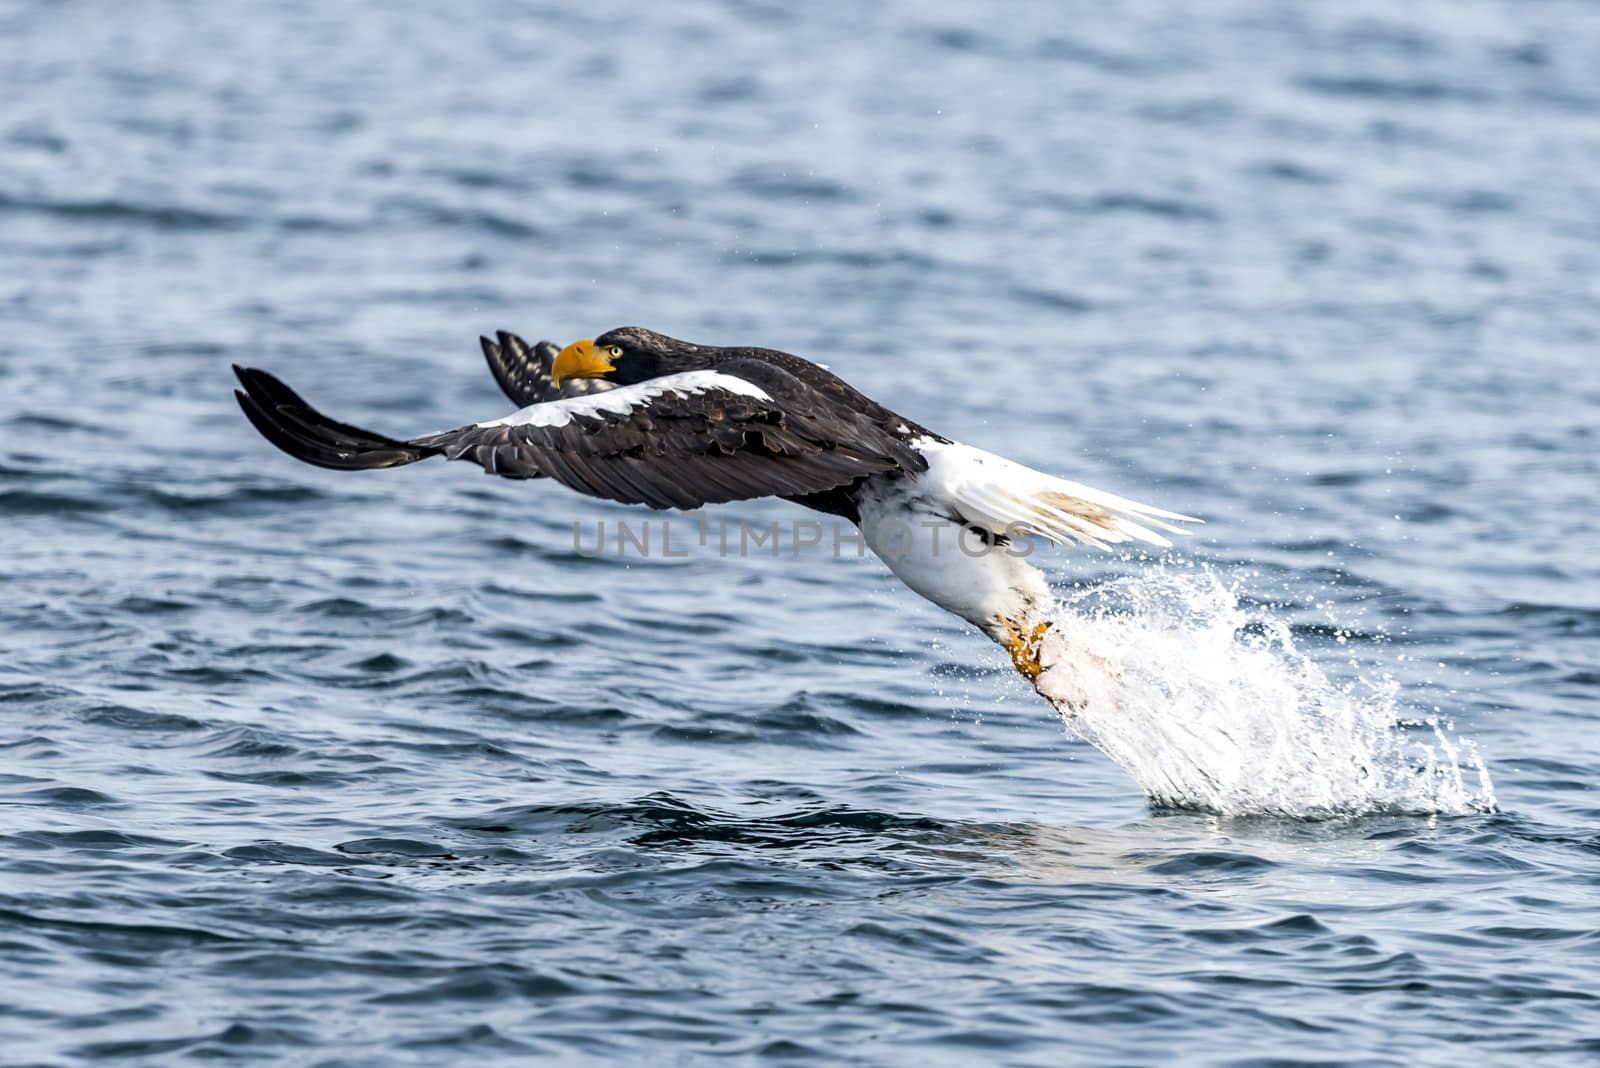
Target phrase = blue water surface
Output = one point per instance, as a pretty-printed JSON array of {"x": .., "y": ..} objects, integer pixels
[{"x": 310, "y": 768}]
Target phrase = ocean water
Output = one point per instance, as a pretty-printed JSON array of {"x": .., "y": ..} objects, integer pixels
[{"x": 312, "y": 768}]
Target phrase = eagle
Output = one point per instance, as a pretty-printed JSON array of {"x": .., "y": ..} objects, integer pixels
[{"x": 641, "y": 418}]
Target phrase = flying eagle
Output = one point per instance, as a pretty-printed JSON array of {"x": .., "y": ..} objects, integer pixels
[{"x": 641, "y": 418}]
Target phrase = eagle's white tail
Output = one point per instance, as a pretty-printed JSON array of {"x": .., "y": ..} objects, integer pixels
[{"x": 1004, "y": 497}]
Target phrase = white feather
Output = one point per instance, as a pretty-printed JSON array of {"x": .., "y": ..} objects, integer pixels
[
  {"x": 1004, "y": 497},
  {"x": 624, "y": 399}
]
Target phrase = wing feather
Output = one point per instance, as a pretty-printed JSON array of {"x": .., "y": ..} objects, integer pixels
[
  {"x": 680, "y": 441},
  {"x": 1004, "y": 497}
]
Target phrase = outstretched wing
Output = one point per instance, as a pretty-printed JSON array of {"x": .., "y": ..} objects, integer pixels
[
  {"x": 680, "y": 441},
  {"x": 523, "y": 371}
]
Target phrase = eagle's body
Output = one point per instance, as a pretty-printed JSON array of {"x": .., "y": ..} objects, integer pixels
[{"x": 640, "y": 418}]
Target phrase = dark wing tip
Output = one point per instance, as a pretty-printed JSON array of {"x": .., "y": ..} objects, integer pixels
[
  {"x": 266, "y": 389},
  {"x": 281, "y": 416},
  {"x": 523, "y": 372}
]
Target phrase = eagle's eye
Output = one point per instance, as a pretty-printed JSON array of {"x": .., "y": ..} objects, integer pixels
[{"x": 614, "y": 350}]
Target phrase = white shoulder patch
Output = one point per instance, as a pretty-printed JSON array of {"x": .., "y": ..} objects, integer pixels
[{"x": 624, "y": 399}]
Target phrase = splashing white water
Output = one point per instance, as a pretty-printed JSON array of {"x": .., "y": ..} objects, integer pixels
[{"x": 1210, "y": 705}]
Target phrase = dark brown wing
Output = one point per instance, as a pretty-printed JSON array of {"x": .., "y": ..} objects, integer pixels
[
  {"x": 696, "y": 438},
  {"x": 682, "y": 441}
]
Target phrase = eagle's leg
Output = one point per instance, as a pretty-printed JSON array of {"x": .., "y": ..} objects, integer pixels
[{"x": 1024, "y": 647}]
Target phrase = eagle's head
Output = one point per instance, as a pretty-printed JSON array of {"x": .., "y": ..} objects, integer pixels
[{"x": 627, "y": 355}]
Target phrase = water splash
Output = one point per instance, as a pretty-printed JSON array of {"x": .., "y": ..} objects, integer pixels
[{"x": 1211, "y": 705}]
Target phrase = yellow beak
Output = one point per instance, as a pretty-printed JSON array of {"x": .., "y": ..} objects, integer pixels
[{"x": 579, "y": 360}]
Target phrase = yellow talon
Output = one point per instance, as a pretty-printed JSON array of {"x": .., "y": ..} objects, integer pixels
[{"x": 1025, "y": 650}]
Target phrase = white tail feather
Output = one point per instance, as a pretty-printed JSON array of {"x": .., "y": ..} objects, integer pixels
[{"x": 1004, "y": 497}]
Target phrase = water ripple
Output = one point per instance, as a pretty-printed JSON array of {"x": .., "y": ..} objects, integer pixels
[{"x": 306, "y": 767}]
